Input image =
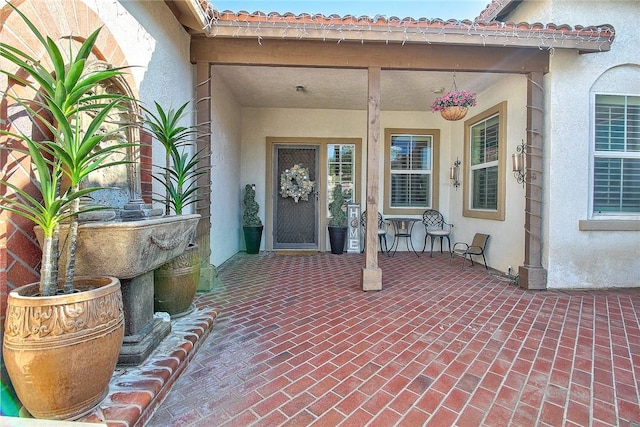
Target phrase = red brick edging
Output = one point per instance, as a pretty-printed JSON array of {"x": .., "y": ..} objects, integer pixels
[{"x": 135, "y": 392}]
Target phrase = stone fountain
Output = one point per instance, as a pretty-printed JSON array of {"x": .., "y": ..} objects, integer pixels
[
  {"x": 130, "y": 251},
  {"x": 129, "y": 240}
]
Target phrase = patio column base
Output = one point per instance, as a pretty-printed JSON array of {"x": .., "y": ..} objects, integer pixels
[
  {"x": 208, "y": 276},
  {"x": 371, "y": 279},
  {"x": 532, "y": 278}
]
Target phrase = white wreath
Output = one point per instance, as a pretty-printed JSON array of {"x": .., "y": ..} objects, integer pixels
[{"x": 295, "y": 183}]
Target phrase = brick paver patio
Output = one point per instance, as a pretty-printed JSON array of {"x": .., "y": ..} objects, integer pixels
[{"x": 298, "y": 343}]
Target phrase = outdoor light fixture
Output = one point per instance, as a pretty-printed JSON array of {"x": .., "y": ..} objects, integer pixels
[
  {"x": 454, "y": 173},
  {"x": 519, "y": 159}
]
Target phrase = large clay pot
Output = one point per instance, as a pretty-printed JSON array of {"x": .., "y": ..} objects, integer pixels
[
  {"x": 337, "y": 238},
  {"x": 175, "y": 283},
  {"x": 61, "y": 351}
]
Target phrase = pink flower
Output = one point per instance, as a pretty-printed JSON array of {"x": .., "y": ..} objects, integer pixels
[{"x": 462, "y": 98}]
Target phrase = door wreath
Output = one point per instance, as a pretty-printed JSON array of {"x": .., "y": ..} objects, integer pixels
[{"x": 295, "y": 183}]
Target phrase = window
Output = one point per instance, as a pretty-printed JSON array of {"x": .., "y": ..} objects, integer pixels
[
  {"x": 341, "y": 165},
  {"x": 484, "y": 164},
  {"x": 484, "y": 158},
  {"x": 411, "y": 158},
  {"x": 616, "y": 160}
]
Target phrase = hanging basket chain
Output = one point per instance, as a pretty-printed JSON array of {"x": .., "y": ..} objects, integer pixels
[{"x": 454, "y": 87}]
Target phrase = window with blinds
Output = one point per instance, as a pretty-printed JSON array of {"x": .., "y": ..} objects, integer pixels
[
  {"x": 484, "y": 164},
  {"x": 411, "y": 161},
  {"x": 616, "y": 164},
  {"x": 341, "y": 166}
]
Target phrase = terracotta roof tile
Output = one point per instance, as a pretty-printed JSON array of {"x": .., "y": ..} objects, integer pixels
[
  {"x": 410, "y": 30},
  {"x": 495, "y": 8}
]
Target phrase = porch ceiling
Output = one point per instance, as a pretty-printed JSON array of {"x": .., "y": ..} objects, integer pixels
[{"x": 344, "y": 89}]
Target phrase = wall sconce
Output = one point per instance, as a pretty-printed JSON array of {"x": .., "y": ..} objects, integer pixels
[
  {"x": 454, "y": 173},
  {"x": 519, "y": 159}
]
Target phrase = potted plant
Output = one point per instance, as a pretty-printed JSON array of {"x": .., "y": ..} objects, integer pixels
[
  {"x": 176, "y": 282},
  {"x": 62, "y": 338},
  {"x": 454, "y": 105},
  {"x": 338, "y": 221},
  {"x": 251, "y": 223}
]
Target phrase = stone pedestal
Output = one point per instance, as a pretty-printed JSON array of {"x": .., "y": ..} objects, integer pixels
[
  {"x": 142, "y": 330},
  {"x": 208, "y": 276},
  {"x": 371, "y": 279},
  {"x": 532, "y": 278}
]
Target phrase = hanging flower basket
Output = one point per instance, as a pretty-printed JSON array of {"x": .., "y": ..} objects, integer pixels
[
  {"x": 454, "y": 113},
  {"x": 295, "y": 183},
  {"x": 454, "y": 105}
]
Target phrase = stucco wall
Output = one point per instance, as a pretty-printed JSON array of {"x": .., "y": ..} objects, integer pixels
[
  {"x": 506, "y": 247},
  {"x": 226, "y": 182},
  {"x": 506, "y": 244},
  {"x": 585, "y": 259},
  {"x": 157, "y": 47}
]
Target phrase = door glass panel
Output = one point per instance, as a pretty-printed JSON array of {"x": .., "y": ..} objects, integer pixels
[{"x": 341, "y": 167}]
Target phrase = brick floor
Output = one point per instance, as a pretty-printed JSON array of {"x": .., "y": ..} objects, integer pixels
[{"x": 297, "y": 343}]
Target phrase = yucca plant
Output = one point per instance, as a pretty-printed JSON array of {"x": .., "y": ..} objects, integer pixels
[
  {"x": 181, "y": 169},
  {"x": 182, "y": 188},
  {"x": 62, "y": 90}
]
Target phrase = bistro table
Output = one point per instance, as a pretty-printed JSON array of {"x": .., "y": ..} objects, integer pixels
[{"x": 402, "y": 228}]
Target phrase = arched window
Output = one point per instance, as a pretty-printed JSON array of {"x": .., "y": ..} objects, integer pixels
[{"x": 615, "y": 148}]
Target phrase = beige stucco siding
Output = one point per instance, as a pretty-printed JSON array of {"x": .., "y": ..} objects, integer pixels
[
  {"x": 156, "y": 47},
  {"x": 226, "y": 180},
  {"x": 576, "y": 258}
]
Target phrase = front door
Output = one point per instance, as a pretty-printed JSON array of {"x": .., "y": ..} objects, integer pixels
[{"x": 295, "y": 219}]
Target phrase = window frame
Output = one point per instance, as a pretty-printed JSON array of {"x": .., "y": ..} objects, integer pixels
[
  {"x": 435, "y": 171},
  {"x": 499, "y": 110},
  {"x": 330, "y": 185},
  {"x": 594, "y": 154}
]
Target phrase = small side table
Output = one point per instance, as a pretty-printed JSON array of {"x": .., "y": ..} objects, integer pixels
[{"x": 403, "y": 228}]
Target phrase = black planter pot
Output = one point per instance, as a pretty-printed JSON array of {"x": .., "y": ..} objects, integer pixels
[
  {"x": 337, "y": 237},
  {"x": 252, "y": 238}
]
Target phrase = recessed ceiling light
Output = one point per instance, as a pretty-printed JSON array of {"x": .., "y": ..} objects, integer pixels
[
  {"x": 301, "y": 88},
  {"x": 438, "y": 90}
]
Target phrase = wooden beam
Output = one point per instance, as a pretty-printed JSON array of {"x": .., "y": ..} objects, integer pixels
[
  {"x": 371, "y": 273},
  {"x": 310, "y": 53}
]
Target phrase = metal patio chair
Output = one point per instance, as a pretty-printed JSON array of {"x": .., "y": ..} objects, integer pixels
[
  {"x": 435, "y": 226},
  {"x": 477, "y": 247},
  {"x": 382, "y": 230}
]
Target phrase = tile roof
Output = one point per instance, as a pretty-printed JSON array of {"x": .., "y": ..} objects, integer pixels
[
  {"x": 497, "y": 8},
  {"x": 261, "y": 25}
]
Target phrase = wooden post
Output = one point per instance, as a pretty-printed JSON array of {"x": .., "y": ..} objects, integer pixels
[
  {"x": 371, "y": 273},
  {"x": 208, "y": 271},
  {"x": 532, "y": 275}
]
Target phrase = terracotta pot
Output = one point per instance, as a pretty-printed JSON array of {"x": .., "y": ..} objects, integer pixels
[
  {"x": 61, "y": 351},
  {"x": 454, "y": 113},
  {"x": 175, "y": 283}
]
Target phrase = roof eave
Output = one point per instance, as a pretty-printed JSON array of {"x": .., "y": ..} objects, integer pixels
[
  {"x": 498, "y": 10},
  {"x": 196, "y": 15},
  {"x": 585, "y": 40}
]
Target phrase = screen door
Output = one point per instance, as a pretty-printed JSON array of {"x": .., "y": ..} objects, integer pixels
[{"x": 295, "y": 223}]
